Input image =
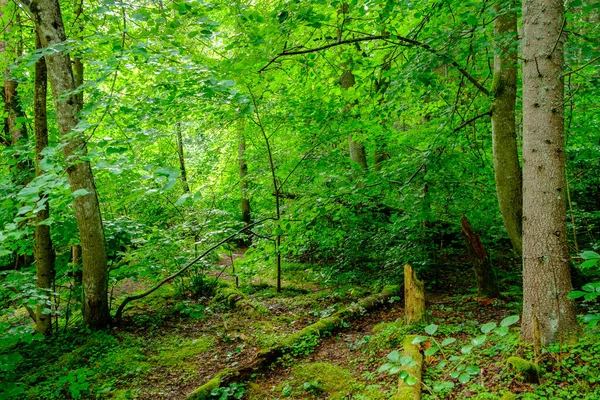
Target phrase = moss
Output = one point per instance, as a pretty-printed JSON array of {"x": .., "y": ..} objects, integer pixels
[
  {"x": 508, "y": 396},
  {"x": 527, "y": 370},
  {"x": 406, "y": 391},
  {"x": 326, "y": 380},
  {"x": 227, "y": 294},
  {"x": 203, "y": 392},
  {"x": 174, "y": 350},
  {"x": 497, "y": 86}
]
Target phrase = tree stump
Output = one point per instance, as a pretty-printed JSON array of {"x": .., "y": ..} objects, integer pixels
[
  {"x": 414, "y": 296},
  {"x": 487, "y": 285}
]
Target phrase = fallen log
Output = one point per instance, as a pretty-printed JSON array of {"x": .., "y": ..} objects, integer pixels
[
  {"x": 265, "y": 357},
  {"x": 227, "y": 294},
  {"x": 414, "y": 370}
]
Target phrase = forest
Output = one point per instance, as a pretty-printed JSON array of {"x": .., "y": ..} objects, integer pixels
[{"x": 300, "y": 199}]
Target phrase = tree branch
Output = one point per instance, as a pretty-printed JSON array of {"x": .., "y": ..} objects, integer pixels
[
  {"x": 470, "y": 120},
  {"x": 593, "y": 60},
  {"x": 182, "y": 270},
  {"x": 403, "y": 42},
  {"x": 455, "y": 64},
  {"x": 327, "y": 46}
]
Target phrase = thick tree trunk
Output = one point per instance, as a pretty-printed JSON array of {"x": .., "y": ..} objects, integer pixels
[
  {"x": 186, "y": 187},
  {"x": 243, "y": 170},
  {"x": 507, "y": 170},
  {"x": 546, "y": 263},
  {"x": 487, "y": 285},
  {"x": 357, "y": 148},
  {"x": 44, "y": 252},
  {"x": 49, "y": 25}
]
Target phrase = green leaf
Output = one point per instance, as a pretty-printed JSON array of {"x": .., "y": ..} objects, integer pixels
[
  {"x": 501, "y": 331},
  {"x": 479, "y": 340},
  {"x": 431, "y": 351},
  {"x": 508, "y": 321},
  {"x": 405, "y": 360},
  {"x": 472, "y": 370},
  {"x": 410, "y": 380},
  {"x": 182, "y": 199},
  {"x": 589, "y": 264},
  {"x": 395, "y": 369},
  {"x": 448, "y": 341},
  {"x": 464, "y": 378},
  {"x": 394, "y": 356},
  {"x": 385, "y": 367},
  {"x": 466, "y": 349},
  {"x": 419, "y": 339},
  {"x": 486, "y": 328},
  {"x": 431, "y": 329},
  {"x": 79, "y": 193},
  {"x": 575, "y": 294},
  {"x": 590, "y": 255}
]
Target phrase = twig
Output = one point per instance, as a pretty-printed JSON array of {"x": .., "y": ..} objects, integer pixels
[
  {"x": 470, "y": 120},
  {"x": 582, "y": 67}
]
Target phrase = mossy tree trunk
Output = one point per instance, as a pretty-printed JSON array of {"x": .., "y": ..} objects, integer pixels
[
  {"x": 507, "y": 170},
  {"x": 414, "y": 296},
  {"x": 50, "y": 28}
]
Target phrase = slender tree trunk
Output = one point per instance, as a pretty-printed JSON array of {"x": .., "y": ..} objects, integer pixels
[
  {"x": 546, "y": 263},
  {"x": 49, "y": 25},
  {"x": 14, "y": 124},
  {"x": 186, "y": 187},
  {"x": 44, "y": 252},
  {"x": 507, "y": 170},
  {"x": 243, "y": 169},
  {"x": 77, "y": 62},
  {"x": 357, "y": 148}
]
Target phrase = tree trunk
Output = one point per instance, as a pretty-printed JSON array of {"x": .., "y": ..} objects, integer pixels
[
  {"x": 243, "y": 169},
  {"x": 357, "y": 148},
  {"x": 546, "y": 263},
  {"x": 507, "y": 170},
  {"x": 44, "y": 252},
  {"x": 49, "y": 25},
  {"x": 487, "y": 285},
  {"x": 186, "y": 187}
]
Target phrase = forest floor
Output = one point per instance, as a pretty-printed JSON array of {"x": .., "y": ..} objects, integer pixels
[{"x": 172, "y": 342}]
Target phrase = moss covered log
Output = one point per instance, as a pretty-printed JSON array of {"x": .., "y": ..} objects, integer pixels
[
  {"x": 414, "y": 370},
  {"x": 322, "y": 327},
  {"x": 227, "y": 294}
]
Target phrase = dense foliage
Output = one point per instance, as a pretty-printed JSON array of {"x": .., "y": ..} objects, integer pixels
[{"x": 178, "y": 94}]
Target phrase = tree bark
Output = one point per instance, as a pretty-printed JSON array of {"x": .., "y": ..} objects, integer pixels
[
  {"x": 186, "y": 187},
  {"x": 507, "y": 170},
  {"x": 546, "y": 263},
  {"x": 43, "y": 251},
  {"x": 49, "y": 25}
]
